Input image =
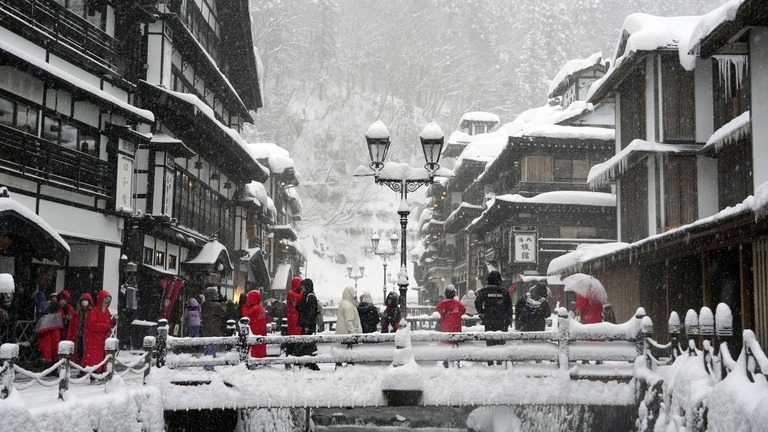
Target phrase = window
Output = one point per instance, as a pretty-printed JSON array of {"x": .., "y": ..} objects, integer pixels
[
  {"x": 681, "y": 201},
  {"x": 73, "y": 137},
  {"x": 578, "y": 232},
  {"x": 678, "y": 99},
  {"x": 633, "y": 194},
  {"x": 537, "y": 169},
  {"x": 632, "y": 107},
  {"x": 18, "y": 115},
  {"x": 149, "y": 256},
  {"x": 734, "y": 174},
  {"x": 160, "y": 258},
  {"x": 730, "y": 94},
  {"x": 171, "y": 262}
]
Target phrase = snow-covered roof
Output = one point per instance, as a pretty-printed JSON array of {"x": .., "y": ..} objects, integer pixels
[
  {"x": 729, "y": 133},
  {"x": 709, "y": 22},
  {"x": 8, "y": 204},
  {"x": 643, "y": 32},
  {"x": 561, "y": 197},
  {"x": 277, "y": 157},
  {"x": 459, "y": 137},
  {"x": 293, "y": 195},
  {"x": 425, "y": 215},
  {"x": 583, "y": 253},
  {"x": 573, "y": 67},
  {"x": 17, "y": 52},
  {"x": 208, "y": 112},
  {"x": 479, "y": 116},
  {"x": 603, "y": 173},
  {"x": 572, "y": 132},
  {"x": 256, "y": 193},
  {"x": 210, "y": 253}
]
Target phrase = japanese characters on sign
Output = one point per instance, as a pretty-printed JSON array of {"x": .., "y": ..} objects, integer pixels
[{"x": 525, "y": 246}]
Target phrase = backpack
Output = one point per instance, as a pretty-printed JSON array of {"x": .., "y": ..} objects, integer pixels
[
  {"x": 529, "y": 314},
  {"x": 319, "y": 317}
]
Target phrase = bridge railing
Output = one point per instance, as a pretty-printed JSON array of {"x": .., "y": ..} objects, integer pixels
[
  {"x": 569, "y": 341},
  {"x": 13, "y": 376}
]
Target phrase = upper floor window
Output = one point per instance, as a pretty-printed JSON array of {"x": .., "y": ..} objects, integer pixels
[
  {"x": 92, "y": 11},
  {"x": 731, "y": 87},
  {"x": 18, "y": 115},
  {"x": 678, "y": 99},
  {"x": 632, "y": 107}
]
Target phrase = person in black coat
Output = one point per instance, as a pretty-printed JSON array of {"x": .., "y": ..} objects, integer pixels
[
  {"x": 307, "y": 320},
  {"x": 532, "y": 310},
  {"x": 369, "y": 315},
  {"x": 494, "y": 306}
]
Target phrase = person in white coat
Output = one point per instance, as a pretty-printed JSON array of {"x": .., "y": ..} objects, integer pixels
[
  {"x": 347, "y": 318},
  {"x": 469, "y": 302}
]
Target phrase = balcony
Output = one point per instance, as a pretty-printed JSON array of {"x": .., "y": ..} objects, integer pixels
[
  {"x": 33, "y": 157},
  {"x": 43, "y": 21}
]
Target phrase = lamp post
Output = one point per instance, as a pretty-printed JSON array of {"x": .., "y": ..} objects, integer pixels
[
  {"x": 402, "y": 179},
  {"x": 355, "y": 277},
  {"x": 384, "y": 254}
]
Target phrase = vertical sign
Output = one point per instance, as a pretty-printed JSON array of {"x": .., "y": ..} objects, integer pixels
[
  {"x": 168, "y": 198},
  {"x": 525, "y": 244},
  {"x": 123, "y": 189}
]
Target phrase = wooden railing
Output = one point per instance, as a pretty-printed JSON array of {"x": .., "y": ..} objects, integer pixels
[
  {"x": 33, "y": 156},
  {"x": 64, "y": 26}
]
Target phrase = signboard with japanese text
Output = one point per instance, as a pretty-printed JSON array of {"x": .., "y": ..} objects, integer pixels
[
  {"x": 525, "y": 245},
  {"x": 124, "y": 183}
]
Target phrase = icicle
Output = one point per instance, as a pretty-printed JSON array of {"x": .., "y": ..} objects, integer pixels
[{"x": 740, "y": 64}]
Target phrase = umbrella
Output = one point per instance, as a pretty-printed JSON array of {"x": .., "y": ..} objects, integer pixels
[{"x": 586, "y": 286}]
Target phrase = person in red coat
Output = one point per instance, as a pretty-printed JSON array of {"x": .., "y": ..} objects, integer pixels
[
  {"x": 98, "y": 327},
  {"x": 292, "y": 302},
  {"x": 68, "y": 314},
  {"x": 254, "y": 311},
  {"x": 450, "y": 311},
  {"x": 76, "y": 329},
  {"x": 589, "y": 309}
]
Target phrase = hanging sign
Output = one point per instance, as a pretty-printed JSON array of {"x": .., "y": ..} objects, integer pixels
[{"x": 525, "y": 245}]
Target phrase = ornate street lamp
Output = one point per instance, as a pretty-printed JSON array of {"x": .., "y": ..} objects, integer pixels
[
  {"x": 355, "y": 277},
  {"x": 384, "y": 254},
  {"x": 402, "y": 178}
]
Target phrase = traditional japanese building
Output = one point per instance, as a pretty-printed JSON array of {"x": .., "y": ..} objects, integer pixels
[
  {"x": 69, "y": 127},
  {"x": 690, "y": 207}
]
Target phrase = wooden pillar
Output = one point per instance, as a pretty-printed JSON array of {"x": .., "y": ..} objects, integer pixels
[
  {"x": 706, "y": 283},
  {"x": 746, "y": 294},
  {"x": 471, "y": 270}
]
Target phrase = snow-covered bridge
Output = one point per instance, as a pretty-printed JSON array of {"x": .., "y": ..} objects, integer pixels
[{"x": 571, "y": 364}]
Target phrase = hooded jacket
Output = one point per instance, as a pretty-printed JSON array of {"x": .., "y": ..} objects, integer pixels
[
  {"x": 450, "y": 311},
  {"x": 308, "y": 309},
  {"x": 391, "y": 315},
  {"x": 368, "y": 313},
  {"x": 347, "y": 318},
  {"x": 192, "y": 314},
  {"x": 255, "y": 312},
  {"x": 293, "y": 300},
  {"x": 494, "y": 304},
  {"x": 98, "y": 327},
  {"x": 469, "y": 302},
  {"x": 212, "y": 314},
  {"x": 76, "y": 330}
]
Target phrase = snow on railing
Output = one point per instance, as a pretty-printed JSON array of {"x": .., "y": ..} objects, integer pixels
[
  {"x": 569, "y": 341},
  {"x": 9, "y": 355}
]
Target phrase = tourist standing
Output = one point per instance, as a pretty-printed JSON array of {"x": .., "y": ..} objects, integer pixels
[
  {"x": 494, "y": 306},
  {"x": 212, "y": 314},
  {"x": 390, "y": 320},
  {"x": 532, "y": 310},
  {"x": 192, "y": 315},
  {"x": 255, "y": 312},
  {"x": 98, "y": 327},
  {"x": 347, "y": 318},
  {"x": 368, "y": 313},
  {"x": 307, "y": 320},
  {"x": 76, "y": 328}
]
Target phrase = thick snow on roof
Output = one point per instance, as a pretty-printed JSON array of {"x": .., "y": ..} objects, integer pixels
[
  {"x": 459, "y": 137},
  {"x": 582, "y": 254},
  {"x": 575, "y": 132},
  {"x": 9, "y": 204},
  {"x": 66, "y": 76},
  {"x": 647, "y": 33},
  {"x": 210, "y": 253},
  {"x": 164, "y": 138},
  {"x": 256, "y": 193},
  {"x": 293, "y": 194},
  {"x": 561, "y": 197},
  {"x": 572, "y": 67},
  {"x": 208, "y": 111},
  {"x": 710, "y": 21},
  {"x": 277, "y": 157},
  {"x": 603, "y": 173},
  {"x": 730, "y": 132},
  {"x": 479, "y": 116}
]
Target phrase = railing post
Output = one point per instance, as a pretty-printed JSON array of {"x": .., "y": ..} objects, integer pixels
[
  {"x": 563, "y": 323},
  {"x": 9, "y": 353},
  {"x": 674, "y": 333},
  {"x": 66, "y": 348},
  {"x": 639, "y": 339},
  {"x": 162, "y": 342},
  {"x": 724, "y": 329},
  {"x": 149, "y": 348},
  {"x": 229, "y": 331},
  {"x": 242, "y": 340},
  {"x": 110, "y": 347},
  {"x": 691, "y": 330},
  {"x": 646, "y": 331}
]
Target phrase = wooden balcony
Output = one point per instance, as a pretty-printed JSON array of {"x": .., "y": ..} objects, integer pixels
[
  {"x": 49, "y": 20},
  {"x": 36, "y": 158}
]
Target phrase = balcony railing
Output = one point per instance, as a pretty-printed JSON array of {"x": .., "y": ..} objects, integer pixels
[
  {"x": 64, "y": 26},
  {"x": 32, "y": 156}
]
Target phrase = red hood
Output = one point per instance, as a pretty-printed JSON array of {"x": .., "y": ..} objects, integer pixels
[
  {"x": 295, "y": 283},
  {"x": 101, "y": 296},
  {"x": 87, "y": 297},
  {"x": 254, "y": 297}
]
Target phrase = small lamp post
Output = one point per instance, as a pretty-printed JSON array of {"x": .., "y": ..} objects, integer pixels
[
  {"x": 355, "y": 277},
  {"x": 384, "y": 254},
  {"x": 404, "y": 179}
]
